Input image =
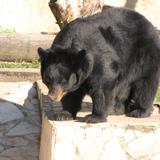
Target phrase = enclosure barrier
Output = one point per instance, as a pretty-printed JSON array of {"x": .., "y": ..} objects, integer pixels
[{"x": 121, "y": 137}]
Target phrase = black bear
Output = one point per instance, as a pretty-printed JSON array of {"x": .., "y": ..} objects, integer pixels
[{"x": 114, "y": 56}]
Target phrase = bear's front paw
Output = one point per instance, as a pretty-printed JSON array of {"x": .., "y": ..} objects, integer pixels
[
  {"x": 95, "y": 119},
  {"x": 62, "y": 116}
]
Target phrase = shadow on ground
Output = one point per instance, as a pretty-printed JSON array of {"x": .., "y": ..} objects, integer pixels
[{"x": 20, "y": 122}]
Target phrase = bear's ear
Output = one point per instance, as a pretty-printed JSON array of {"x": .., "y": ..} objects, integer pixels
[
  {"x": 81, "y": 54},
  {"x": 78, "y": 58},
  {"x": 73, "y": 79},
  {"x": 41, "y": 53}
]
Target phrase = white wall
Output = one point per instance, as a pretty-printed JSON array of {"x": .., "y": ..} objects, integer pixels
[
  {"x": 34, "y": 16},
  {"x": 27, "y": 16},
  {"x": 149, "y": 8}
]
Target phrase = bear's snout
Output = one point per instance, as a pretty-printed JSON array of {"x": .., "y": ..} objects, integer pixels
[{"x": 56, "y": 93}]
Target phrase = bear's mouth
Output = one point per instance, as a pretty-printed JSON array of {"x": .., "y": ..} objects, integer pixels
[{"x": 56, "y": 93}]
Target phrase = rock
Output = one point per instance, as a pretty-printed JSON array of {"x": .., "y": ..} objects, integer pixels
[
  {"x": 69, "y": 132},
  {"x": 89, "y": 149},
  {"x": 14, "y": 141},
  {"x": 22, "y": 153},
  {"x": 4, "y": 128},
  {"x": 119, "y": 132},
  {"x": 156, "y": 156},
  {"x": 19, "y": 124},
  {"x": 9, "y": 112},
  {"x": 113, "y": 151},
  {"x": 35, "y": 120},
  {"x": 120, "y": 138},
  {"x": 31, "y": 107},
  {"x": 1, "y": 134},
  {"x": 129, "y": 135},
  {"x": 33, "y": 138},
  {"x": 64, "y": 150},
  {"x": 32, "y": 92},
  {"x": 1, "y": 148},
  {"x": 5, "y": 158},
  {"x": 107, "y": 134},
  {"x": 34, "y": 101},
  {"x": 23, "y": 128},
  {"x": 138, "y": 133},
  {"x": 93, "y": 132},
  {"x": 145, "y": 145}
]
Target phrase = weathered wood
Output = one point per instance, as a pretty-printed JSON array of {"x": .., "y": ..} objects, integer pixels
[
  {"x": 22, "y": 47},
  {"x": 68, "y": 10},
  {"x": 58, "y": 13}
]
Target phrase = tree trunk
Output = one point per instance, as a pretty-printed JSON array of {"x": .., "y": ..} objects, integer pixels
[
  {"x": 68, "y": 10},
  {"x": 58, "y": 13}
]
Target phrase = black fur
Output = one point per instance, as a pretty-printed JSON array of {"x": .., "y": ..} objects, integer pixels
[{"x": 113, "y": 56}]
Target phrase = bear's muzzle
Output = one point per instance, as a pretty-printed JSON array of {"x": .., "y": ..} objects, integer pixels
[{"x": 56, "y": 93}]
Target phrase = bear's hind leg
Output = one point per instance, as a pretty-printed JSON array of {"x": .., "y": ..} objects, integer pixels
[{"x": 139, "y": 103}]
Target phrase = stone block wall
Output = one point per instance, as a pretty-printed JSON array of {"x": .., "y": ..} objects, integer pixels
[{"x": 121, "y": 138}]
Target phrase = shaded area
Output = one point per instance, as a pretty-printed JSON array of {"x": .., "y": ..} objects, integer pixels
[{"x": 20, "y": 121}]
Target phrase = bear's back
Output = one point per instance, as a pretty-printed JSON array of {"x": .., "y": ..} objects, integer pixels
[{"x": 123, "y": 22}]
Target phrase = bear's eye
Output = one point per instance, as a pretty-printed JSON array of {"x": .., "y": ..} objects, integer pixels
[
  {"x": 64, "y": 82},
  {"x": 47, "y": 80}
]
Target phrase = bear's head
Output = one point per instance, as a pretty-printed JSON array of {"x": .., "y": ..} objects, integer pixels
[{"x": 62, "y": 70}]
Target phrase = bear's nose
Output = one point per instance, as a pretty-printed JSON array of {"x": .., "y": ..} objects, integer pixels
[{"x": 56, "y": 93}]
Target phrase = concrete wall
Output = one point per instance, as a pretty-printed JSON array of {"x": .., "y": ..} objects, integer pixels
[
  {"x": 34, "y": 16},
  {"x": 149, "y": 8},
  {"x": 27, "y": 16}
]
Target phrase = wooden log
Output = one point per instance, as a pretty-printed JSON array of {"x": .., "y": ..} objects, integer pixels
[{"x": 22, "y": 47}]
